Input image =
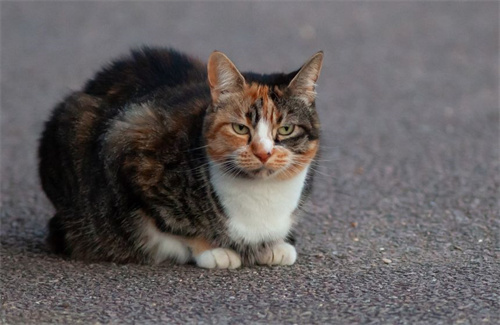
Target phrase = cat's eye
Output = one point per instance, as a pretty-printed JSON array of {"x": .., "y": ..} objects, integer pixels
[
  {"x": 286, "y": 129},
  {"x": 240, "y": 128}
]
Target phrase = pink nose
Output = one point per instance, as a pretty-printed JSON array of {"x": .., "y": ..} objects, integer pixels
[{"x": 263, "y": 155}]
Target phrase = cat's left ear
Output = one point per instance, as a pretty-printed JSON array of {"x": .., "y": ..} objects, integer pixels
[
  {"x": 223, "y": 76},
  {"x": 303, "y": 85}
]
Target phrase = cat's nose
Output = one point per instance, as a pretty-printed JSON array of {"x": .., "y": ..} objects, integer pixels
[{"x": 263, "y": 155}]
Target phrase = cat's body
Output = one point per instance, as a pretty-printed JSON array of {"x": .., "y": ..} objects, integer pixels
[{"x": 151, "y": 162}]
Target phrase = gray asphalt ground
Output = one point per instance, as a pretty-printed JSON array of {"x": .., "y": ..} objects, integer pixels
[{"x": 409, "y": 103}]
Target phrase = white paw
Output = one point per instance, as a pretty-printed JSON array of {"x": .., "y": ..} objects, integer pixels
[
  {"x": 221, "y": 258},
  {"x": 172, "y": 249},
  {"x": 279, "y": 254}
]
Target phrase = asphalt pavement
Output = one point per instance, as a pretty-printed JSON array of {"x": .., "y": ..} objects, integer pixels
[{"x": 404, "y": 223}]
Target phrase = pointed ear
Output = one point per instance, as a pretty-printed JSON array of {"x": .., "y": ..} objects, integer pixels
[
  {"x": 303, "y": 84},
  {"x": 223, "y": 76}
]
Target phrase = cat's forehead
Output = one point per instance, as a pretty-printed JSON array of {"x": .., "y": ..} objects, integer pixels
[
  {"x": 261, "y": 105},
  {"x": 255, "y": 91}
]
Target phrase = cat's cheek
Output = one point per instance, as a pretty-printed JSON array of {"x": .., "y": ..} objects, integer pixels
[
  {"x": 299, "y": 162},
  {"x": 307, "y": 157},
  {"x": 246, "y": 160},
  {"x": 280, "y": 160},
  {"x": 225, "y": 144}
]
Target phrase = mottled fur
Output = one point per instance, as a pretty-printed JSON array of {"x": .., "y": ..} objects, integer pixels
[{"x": 126, "y": 161}]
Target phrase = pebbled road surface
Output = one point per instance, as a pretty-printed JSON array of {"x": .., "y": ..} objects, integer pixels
[{"x": 404, "y": 225}]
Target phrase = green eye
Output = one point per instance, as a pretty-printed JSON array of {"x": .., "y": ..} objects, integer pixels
[
  {"x": 286, "y": 129},
  {"x": 240, "y": 128}
]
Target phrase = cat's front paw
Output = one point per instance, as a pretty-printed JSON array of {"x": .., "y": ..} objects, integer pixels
[
  {"x": 279, "y": 254},
  {"x": 220, "y": 258}
]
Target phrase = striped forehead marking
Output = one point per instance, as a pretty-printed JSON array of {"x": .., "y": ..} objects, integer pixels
[{"x": 262, "y": 105}]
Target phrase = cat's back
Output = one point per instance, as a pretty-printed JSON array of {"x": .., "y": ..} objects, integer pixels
[
  {"x": 141, "y": 91},
  {"x": 143, "y": 71}
]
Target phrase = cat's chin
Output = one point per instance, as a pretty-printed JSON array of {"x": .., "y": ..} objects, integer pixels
[
  {"x": 237, "y": 171},
  {"x": 261, "y": 173}
]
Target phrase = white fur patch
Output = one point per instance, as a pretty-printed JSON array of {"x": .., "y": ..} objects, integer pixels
[
  {"x": 163, "y": 246},
  {"x": 258, "y": 209},
  {"x": 264, "y": 135}
]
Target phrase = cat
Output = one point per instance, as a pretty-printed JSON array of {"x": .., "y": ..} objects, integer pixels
[{"x": 163, "y": 158}]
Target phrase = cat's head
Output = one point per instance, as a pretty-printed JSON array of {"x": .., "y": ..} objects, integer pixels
[{"x": 262, "y": 126}]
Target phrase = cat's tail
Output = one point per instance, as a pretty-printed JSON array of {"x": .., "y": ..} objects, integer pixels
[{"x": 56, "y": 239}]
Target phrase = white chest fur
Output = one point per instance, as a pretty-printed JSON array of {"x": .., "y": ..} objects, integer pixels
[{"x": 258, "y": 210}]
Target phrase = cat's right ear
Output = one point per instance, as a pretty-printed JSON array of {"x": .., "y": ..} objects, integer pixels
[{"x": 223, "y": 77}]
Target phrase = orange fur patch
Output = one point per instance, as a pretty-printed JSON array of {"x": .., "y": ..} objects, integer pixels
[
  {"x": 255, "y": 91},
  {"x": 223, "y": 141},
  {"x": 197, "y": 245},
  {"x": 278, "y": 91},
  {"x": 301, "y": 161}
]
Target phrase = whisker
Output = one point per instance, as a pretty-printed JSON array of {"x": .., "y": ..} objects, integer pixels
[
  {"x": 314, "y": 168},
  {"x": 198, "y": 148}
]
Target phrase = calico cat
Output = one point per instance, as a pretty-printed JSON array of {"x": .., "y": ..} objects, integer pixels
[{"x": 161, "y": 157}]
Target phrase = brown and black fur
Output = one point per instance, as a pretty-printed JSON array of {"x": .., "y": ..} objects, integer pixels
[{"x": 129, "y": 149}]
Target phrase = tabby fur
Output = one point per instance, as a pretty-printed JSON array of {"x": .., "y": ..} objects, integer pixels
[{"x": 138, "y": 163}]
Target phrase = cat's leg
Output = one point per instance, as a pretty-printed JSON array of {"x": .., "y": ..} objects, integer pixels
[
  {"x": 209, "y": 257},
  {"x": 161, "y": 246},
  {"x": 281, "y": 253}
]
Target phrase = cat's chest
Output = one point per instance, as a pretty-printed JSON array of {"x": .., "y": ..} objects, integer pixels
[{"x": 258, "y": 210}]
